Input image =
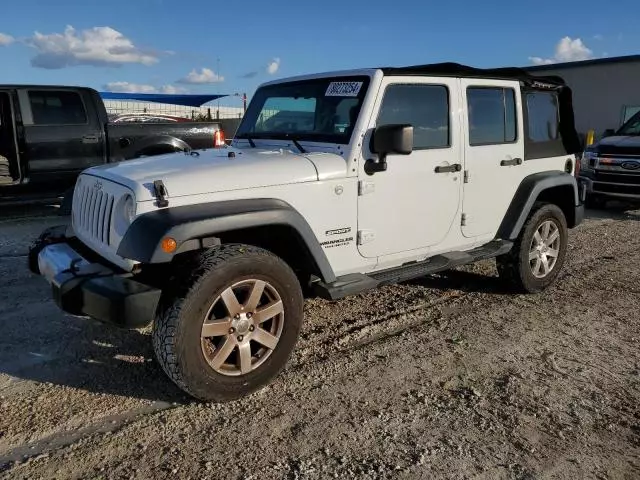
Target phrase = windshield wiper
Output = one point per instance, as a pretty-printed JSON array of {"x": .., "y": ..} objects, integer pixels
[
  {"x": 298, "y": 146},
  {"x": 248, "y": 139},
  {"x": 268, "y": 135}
]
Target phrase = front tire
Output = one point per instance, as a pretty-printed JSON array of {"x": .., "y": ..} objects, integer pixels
[
  {"x": 231, "y": 325},
  {"x": 538, "y": 253}
]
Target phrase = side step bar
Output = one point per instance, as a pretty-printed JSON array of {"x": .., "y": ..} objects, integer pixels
[{"x": 355, "y": 283}]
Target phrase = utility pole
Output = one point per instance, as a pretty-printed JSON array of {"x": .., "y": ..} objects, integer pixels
[{"x": 218, "y": 92}]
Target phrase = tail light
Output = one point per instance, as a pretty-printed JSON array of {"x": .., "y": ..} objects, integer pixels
[{"x": 218, "y": 139}]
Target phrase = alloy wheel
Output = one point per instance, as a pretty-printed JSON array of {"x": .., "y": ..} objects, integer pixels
[
  {"x": 545, "y": 249},
  {"x": 242, "y": 327}
]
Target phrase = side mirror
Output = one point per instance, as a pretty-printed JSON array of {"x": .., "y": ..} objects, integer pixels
[
  {"x": 609, "y": 132},
  {"x": 389, "y": 139}
]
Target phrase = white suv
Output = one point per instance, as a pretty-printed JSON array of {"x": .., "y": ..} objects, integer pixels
[{"x": 334, "y": 184}]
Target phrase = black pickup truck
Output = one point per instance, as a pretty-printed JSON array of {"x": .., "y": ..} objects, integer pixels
[
  {"x": 49, "y": 134},
  {"x": 610, "y": 168}
]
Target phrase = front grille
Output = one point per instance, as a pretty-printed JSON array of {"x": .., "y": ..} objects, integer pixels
[
  {"x": 92, "y": 212},
  {"x": 624, "y": 178}
]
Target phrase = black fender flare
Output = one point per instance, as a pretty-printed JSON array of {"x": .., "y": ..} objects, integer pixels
[
  {"x": 142, "y": 241},
  {"x": 171, "y": 144},
  {"x": 528, "y": 193}
]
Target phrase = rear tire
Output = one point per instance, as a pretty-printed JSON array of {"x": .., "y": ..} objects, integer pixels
[
  {"x": 212, "y": 336},
  {"x": 538, "y": 253}
]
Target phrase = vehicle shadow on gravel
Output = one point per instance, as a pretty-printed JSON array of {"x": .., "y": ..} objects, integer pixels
[
  {"x": 614, "y": 211},
  {"x": 465, "y": 281},
  {"x": 102, "y": 361}
]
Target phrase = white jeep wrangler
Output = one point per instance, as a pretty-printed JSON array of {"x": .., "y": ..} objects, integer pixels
[{"x": 334, "y": 184}]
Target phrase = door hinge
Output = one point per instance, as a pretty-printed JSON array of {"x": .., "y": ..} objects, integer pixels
[
  {"x": 463, "y": 220},
  {"x": 365, "y": 187},
  {"x": 365, "y": 236},
  {"x": 466, "y": 176}
]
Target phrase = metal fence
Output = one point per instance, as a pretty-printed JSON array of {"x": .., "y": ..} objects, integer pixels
[{"x": 213, "y": 112}]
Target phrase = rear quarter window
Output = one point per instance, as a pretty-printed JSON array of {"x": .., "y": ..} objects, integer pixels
[{"x": 543, "y": 137}]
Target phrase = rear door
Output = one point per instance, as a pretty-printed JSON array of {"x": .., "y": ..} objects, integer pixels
[
  {"x": 494, "y": 152},
  {"x": 62, "y": 131}
]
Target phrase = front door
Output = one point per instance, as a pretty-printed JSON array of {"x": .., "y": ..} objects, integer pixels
[
  {"x": 63, "y": 134},
  {"x": 413, "y": 204},
  {"x": 9, "y": 164},
  {"x": 494, "y": 152}
]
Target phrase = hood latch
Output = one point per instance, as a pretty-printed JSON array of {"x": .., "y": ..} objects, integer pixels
[{"x": 161, "y": 193}]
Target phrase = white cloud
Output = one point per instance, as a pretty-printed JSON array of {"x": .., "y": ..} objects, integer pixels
[
  {"x": 567, "y": 50},
  {"x": 598, "y": 37},
  {"x": 127, "y": 87},
  {"x": 273, "y": 66},
  {"x": 205, "y": 76},
  {"x": 172, "y": 89},
  {"x": 5, "y": 39},
  {"x": 541, "y": 61},
  {"x": 96, "y": 46}
]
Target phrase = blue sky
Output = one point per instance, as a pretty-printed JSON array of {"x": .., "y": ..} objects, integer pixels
[{"x": 164, "y": 45}]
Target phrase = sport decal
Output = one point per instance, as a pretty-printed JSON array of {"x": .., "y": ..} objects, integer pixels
[{"x": 338, "y": 231}]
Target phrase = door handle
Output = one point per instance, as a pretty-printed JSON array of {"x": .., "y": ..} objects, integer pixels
[
  {"x": 90, "y": 139},
  {"x": 456, "y": 167},
  {"x": 511, "y": 163}
]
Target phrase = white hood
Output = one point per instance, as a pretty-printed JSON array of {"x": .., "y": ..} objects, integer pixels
[{"x": 213, "y": 170}]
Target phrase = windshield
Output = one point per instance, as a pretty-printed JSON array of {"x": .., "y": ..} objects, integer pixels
[
  {"x": 322, "y": 110},
  {"x": 632, "y": 127}
]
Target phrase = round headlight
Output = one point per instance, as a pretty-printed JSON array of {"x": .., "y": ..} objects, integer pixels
[{"x": 129, "y": 209}]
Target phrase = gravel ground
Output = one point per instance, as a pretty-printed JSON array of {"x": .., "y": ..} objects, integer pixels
[{"x": 446, "y": 377}]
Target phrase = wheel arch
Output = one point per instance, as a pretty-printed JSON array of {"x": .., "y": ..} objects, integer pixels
[
  {"x": 157, "y": 145},
  {"x": 559, "y": 188},
  {"x": 267, "y": 223}
]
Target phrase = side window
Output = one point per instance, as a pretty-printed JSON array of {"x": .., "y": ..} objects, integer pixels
[
  {"x": 57, "y": 108},
  {"x": 492, "y": 115},
  {"x": 629, "y": 111},
  {"x": 542, "y": 116},
  {"x": 426, "y": 107}
]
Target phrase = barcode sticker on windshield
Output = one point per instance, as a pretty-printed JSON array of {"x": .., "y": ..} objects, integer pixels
[{"x": 343, "y": 89}]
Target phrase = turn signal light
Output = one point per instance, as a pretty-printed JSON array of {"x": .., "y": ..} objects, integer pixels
[{"x": 168, "y": 245}]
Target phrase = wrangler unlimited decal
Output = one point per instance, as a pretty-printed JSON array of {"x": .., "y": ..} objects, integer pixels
[{"x": 340, "y": 242}]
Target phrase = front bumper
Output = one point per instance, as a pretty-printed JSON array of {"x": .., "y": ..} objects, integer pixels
[
  {"x": 82, "y": 287},
  {"x": 609, "y": 189}
]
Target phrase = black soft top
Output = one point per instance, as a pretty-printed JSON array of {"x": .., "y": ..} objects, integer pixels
[
  {"x": 450, "y": 69},
  {"x": 569, "y": 141}
]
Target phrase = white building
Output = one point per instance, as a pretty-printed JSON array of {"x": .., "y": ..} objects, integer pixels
[{"x": 606, "y": 92}]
